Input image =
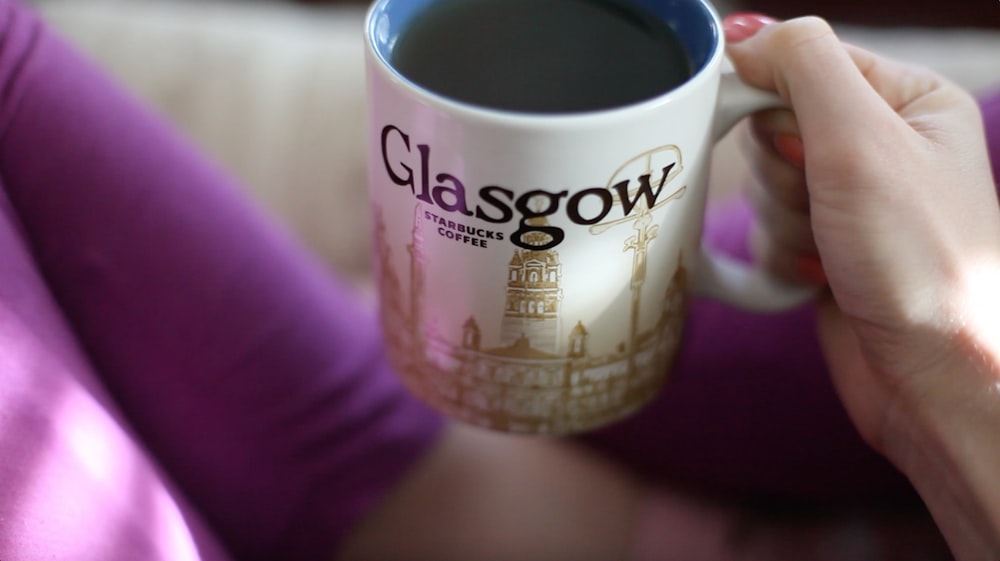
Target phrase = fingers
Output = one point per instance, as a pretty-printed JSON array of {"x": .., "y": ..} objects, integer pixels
[
  {"x": 805, "y": 62},
  {"x": 777, "y": 189},
  {"x": 775, "y": 154},
  {"x": 781, "y": 238},
  {"x": 840, "y": 90},
  {"x": 836, "y": 91},
  {"x": 867, "y": 133}
]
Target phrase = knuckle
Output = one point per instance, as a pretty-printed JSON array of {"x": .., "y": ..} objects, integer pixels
[
  {"x": 788, "y": 36},
  {"x": 964, "y": 100},
  {"x": 795, "y": 45},
  {"x": 807, "y": 27}
]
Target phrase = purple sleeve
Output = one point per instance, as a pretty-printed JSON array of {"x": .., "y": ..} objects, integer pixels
[
  {"x": 991, "y": 118},
  {"x": 750, "y": 408},
  {"x": 257, "y": 383}
]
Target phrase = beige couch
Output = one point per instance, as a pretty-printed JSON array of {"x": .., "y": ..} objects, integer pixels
[{"x": 275, "y": 93}]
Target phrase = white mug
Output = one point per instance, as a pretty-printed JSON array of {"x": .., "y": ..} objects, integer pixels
[{"x": 532, "y": 268}]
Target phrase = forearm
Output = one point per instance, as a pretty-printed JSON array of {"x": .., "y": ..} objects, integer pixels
[
  {"x": 952, "y": 456},
  {"x": 956, "y": 465},
  {"x": 947, "y": 421}
]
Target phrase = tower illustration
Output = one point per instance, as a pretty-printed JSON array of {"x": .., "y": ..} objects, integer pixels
[{"x": 534, "y": 295}]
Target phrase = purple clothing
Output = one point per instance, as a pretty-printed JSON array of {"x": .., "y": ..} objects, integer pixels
[
  {"x": 990, "y": 106},
  {"x": 179, "y": 381}
]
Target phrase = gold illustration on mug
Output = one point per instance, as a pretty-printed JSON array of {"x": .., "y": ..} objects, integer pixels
[{"x": 537, "y": 378}]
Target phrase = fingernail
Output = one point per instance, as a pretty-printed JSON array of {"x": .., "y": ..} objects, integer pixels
[
  {"x": 791, "y": 149},
  {"x": 810, "y": 269},
  {"x": 743, "y": 25}
]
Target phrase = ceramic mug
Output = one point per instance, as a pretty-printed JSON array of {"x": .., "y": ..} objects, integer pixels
[{"x": 533, "y": 269}]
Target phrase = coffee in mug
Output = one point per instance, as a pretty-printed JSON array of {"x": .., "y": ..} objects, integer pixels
[
  {"x": 538, "y": 174},
  {"x": 541, "y": 55}
]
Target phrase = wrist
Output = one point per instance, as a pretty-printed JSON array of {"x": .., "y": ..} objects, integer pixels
[
  {"x": 950, "y": 453},
  {"x": 942, "y": 431}
]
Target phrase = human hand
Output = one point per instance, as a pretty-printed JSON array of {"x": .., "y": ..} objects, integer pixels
[{"x": 878, "y": 182}]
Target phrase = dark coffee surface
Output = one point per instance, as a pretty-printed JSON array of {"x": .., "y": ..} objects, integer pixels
[{"x": 541, "y": 55}]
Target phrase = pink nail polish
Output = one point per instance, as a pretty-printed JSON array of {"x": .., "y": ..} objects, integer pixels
[
  {"x": 790, "y": 148},
  {"x": 740, "y": 26},
  {"x": 810, "y": 269}
]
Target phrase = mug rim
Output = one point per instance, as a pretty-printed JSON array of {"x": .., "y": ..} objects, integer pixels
[{"x": 472, "y": 111}]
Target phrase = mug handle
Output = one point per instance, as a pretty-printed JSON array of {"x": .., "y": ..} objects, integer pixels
[{"x": 725, "y": 279}]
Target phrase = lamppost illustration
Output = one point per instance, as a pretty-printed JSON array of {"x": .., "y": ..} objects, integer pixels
[{"x": 641, "y": 219}]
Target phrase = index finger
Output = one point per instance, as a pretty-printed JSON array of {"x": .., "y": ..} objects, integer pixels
[{"x": 835, "y": 89}]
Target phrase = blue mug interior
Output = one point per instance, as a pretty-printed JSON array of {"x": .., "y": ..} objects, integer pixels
[{"x": 692, "y": 20}]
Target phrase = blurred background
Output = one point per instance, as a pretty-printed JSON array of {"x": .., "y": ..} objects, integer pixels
[
  {"x": 934, "y": 13},
  {"x": 273, "y": 91},
  {"x": 975, "y": 13}
]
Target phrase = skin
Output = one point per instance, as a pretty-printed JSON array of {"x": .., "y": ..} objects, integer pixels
[{"x": 906, "y": 226}]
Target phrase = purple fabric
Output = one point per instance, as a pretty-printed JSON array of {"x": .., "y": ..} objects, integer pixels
[
  {"x": 990, "y": 104},
  {"x": 179, "y": 381},
  {"x": 257, "y": 384}
]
